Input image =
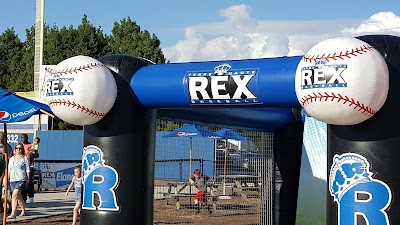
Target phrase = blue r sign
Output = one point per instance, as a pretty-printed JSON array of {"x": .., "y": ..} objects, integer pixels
[{"x": 99, "y": 179}]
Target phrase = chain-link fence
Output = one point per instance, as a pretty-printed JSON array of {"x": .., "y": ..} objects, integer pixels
[{"x": 238, "y": 175}]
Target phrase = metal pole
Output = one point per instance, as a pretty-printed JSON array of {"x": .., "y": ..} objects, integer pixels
[
  {"x": 226, "y": 155},
  {"x": 190, "y": 158},
  {"x": 5, "y": 174},
  {"x": 180, "y": 171},
  {"x": 190, "y": 172}
]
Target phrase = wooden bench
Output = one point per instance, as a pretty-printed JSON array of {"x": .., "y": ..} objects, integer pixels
[
  {"x": 241, "y": 184},
  {"x": 238, "y": 188},
  {"x": 244, "y": 191},
  {"x": 177, "y": 195}
]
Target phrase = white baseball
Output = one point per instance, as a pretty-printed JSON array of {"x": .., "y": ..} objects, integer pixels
[
  {"x": 80, "y": 90},
  {"x": 342, "y": 81}
]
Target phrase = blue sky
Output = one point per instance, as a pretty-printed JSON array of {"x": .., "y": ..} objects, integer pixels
[{"x": 214, "y": 30}]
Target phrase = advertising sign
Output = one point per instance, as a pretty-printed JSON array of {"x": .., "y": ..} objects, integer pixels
[
  {"x": 45, "y": 71},
  {"x": 57, "y": 175}
]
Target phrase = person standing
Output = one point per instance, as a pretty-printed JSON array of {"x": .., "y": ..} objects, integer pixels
[
  {"x": 2, "y": 145},
  {"x": 30, "y": 191},
  {"x": 76, "y": 182},
  {"x": 19, "y": 173},
  {"x": 200, "y": 183},
  {"x": 2, "y": 168}
]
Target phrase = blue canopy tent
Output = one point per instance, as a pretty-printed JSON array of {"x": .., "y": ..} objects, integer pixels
[
  {"x": 232, "y": 135},
  {"x": 14, "y": 108},
  {"x": 190, "y": 131}
]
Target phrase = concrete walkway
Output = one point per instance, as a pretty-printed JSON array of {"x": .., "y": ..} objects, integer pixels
[{"x": 47, "y": 203}]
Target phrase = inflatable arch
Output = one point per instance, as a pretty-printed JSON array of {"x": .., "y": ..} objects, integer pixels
[{"x": 256, "y": 94}]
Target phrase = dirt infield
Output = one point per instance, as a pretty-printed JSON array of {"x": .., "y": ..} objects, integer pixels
[
  {"x": 64, "y": 219},
  {"x": 234, "y": 211},
  {"x": 237, "y": 210}
]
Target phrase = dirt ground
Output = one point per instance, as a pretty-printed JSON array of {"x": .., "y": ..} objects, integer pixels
[
  {"x": 236, "y": 211},
  {"x": 65, "y": 219},
  {"x": 233, "y": 212}
]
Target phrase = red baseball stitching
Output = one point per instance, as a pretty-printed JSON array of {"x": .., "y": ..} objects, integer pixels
[
  {"x": 75, "y": 105},
  {"x": 77, "y": 69},
  {"x": 310, "y": 98},
  {"x": 341, "y": 55}
]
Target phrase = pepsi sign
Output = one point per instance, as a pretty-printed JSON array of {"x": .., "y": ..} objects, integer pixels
[
  {"x": 184, "y": 134},
  {"x": 223, "y": 85},
  {"x": 5, "y": 116}
]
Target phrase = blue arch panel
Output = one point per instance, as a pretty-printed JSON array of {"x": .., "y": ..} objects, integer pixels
[
  {"x": 236, "y": 83},
  {"x": 263, "y": 119}
]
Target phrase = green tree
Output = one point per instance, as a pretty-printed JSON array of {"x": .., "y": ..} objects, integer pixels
[
  {"x": 11, "y": 52},
  {"x": 128, "y": 38},
  {"x": 91, "y": 41},
  {"x": 64, "y": 43},
  {"x": 17, "y": 58},
  {"x": 166, "y": 125},
  {"x": 25, "y": 79},
  {"x": 88, "y": 40}
]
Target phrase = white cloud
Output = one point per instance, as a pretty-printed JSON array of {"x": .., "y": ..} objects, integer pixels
[
  {"x": 241, "y": 36},
  {"x": 383, "y": 22},
  {"x": 239, "y": 18},
  {"x": 186, "y": 50}
]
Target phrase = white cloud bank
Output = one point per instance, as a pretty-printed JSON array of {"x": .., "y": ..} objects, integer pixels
[{"x": 241, "y": 36}]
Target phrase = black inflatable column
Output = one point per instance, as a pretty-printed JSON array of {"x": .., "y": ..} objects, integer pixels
[
  {"x": 288, "y": 148},
  {"x": 364, "y": 159},
  {"x": 120, "y": 191}
]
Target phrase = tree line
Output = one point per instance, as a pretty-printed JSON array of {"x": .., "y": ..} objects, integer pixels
[
  {"x": 127, "y": 37},
  {"x": 17, "y": 57}
]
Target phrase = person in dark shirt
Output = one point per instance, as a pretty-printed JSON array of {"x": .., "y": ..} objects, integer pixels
[
  {"x": 200, "y": 183},
  {"x": 30, "y": 191}
]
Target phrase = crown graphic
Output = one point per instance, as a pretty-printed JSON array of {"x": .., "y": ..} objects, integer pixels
[
  {"x": 347, "y": 170},
  {"x": 320, "y": 63},
  {"x": 92, "y": 159},
  {"x": 222, "y": 69}
]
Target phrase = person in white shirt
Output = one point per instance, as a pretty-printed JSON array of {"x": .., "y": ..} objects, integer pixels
[{"x": 18, "y": 173}]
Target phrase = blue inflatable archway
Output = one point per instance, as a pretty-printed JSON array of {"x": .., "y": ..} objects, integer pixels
[{"x": 253, "y": 94}]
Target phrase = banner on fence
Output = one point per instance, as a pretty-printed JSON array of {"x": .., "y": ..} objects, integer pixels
[{"x": 56, "y": 175}]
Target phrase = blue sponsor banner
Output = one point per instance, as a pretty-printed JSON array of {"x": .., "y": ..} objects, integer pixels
[
  {"x": 56, "y": 175},
  {"x": 64, "y": 177}
]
